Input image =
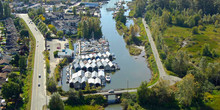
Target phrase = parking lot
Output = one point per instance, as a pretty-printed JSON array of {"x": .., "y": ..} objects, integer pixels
[{"x": 55, "y": 45}]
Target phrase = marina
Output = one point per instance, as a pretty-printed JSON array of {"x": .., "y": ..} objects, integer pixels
[{"x": 91, "y": 62}]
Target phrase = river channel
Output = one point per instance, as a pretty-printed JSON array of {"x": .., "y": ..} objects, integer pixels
[{"x": 133, "y": 69}]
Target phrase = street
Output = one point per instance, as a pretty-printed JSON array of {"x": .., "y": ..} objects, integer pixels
[{"x": 38, "y": 83}]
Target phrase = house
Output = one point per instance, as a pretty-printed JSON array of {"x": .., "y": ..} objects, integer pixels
[
  {"x": 84, "y": 80},
  {"x": 66, "y": 53},
  {"x": 3, "y": 77},
  {"x": 7, "y": 69},
  {"x": 100, "y": 65},
  {"x": 90, "y": 5},
  {"x": 101, "y": 74},
  {"x": 88, "y": 74},
  {"x": 97, "y": 82},
  {"x": 77, "y": 82},
  {"x": 89, "y": 67},
  {"x": 77, "y": 67},
  {"x": 106, "y": 66},
  {"x": 94, "y": 74},
  {"x": 91, "y": 81},
  {"x": 80, "y": 73},
  {"x": 112, "y": 66},
  {"x": 82, "y": 65},
  {"x": 4, "y": 62},
  {"x": 94, "y": 66}
]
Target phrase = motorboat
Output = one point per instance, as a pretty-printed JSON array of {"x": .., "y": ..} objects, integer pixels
[{"x": 108, "y": 78}]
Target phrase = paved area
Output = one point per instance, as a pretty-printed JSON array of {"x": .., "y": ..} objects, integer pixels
[
  {"x": 161, "y": 69},
  {"x": 38, "y": 92},
  {"x": 52, "y": 46}
]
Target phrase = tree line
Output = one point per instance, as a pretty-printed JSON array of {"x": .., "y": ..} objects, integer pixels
[
  {"x": 5, "y": 10},
  {"x": 89, "y": 27}
]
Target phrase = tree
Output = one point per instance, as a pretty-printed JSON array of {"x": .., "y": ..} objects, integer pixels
[
  {"x": 56, "y": 102},
  {"x": 180, "y": 64},
  {"x": 74, "y": 10},
  {"x": 60, "y": 34},
  {"x": 143, "y": 94},
  {"x": 15, "y": 60},
  {"x": 24, "y": 33},
  {"x": 10, "y": 90},
  {"x": 195, "y": 30},
  {"x": 54, "y": 8},
  {"x": 22, "y": 64},
  {"x": 7, "y": 10},
  {"x": 120, "y": 16},
  {"x": 186, "y": 90},
  {"x": 1, "y": 10},
  {"x": 74, "y": 98},
  {"x": 206, "y": 51},
  {"x": 55, "y": 54},
  {"x": 51, "y": 85}
]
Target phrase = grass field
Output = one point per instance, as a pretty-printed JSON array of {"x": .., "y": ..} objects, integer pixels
[{"x": 174, "y": 37}]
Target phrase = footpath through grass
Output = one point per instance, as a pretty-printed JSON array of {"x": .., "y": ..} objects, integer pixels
[{"x": 28, "y": 81}]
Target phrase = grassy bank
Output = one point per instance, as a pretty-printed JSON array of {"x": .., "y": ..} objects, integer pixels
[
  {"x": 134, "y": 50},
  {"x": 141, "y": 40},
  {"x": 28, "y": 81},
  {"x": 84, "y": 107}
]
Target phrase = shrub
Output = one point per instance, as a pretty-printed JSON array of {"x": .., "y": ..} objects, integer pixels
[
  {"x": 51, "y": 85},
  {"x": 195, "y": 30},
  {"x": 98, "y": 99},
  {"x": 55, "y": 54}
]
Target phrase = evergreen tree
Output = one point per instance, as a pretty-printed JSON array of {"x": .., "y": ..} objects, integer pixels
[{"x": 1, "y": 10}]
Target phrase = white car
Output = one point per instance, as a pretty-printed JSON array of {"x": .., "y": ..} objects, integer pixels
[
  {"x": 39, "y": 76},
  {"x": 111, "y": 91}
]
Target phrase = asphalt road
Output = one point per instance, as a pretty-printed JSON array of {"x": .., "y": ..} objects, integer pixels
[
  {"x": 38, "y": 92},
  {"x": 162, "y": 72}
]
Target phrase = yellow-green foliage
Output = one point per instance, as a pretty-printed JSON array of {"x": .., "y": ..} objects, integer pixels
[
  {"x": 27, "y": 88},
  {"x": 84, "y": 107},
  {"x": 173, "y": 37},
  {"x": 215, "y": 100},
  {"x": 46, "y": 55},
  {"x": 70, "y": 44},
  {"x": 134, "y": 50},
  {"x": 59, "y": 68}
]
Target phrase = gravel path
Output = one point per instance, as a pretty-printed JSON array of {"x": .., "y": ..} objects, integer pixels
[{"x": 162, "y": 72}]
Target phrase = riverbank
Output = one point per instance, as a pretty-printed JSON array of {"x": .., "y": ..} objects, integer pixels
[{"x": 141, "y": 40}]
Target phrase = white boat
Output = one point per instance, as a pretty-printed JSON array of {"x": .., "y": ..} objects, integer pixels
[
  {"x": 108, "y": 78},
  {"x": 67, "y": 69}
]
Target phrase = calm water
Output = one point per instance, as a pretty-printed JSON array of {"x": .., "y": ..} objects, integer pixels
[{"x": 133, "y": 71}]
